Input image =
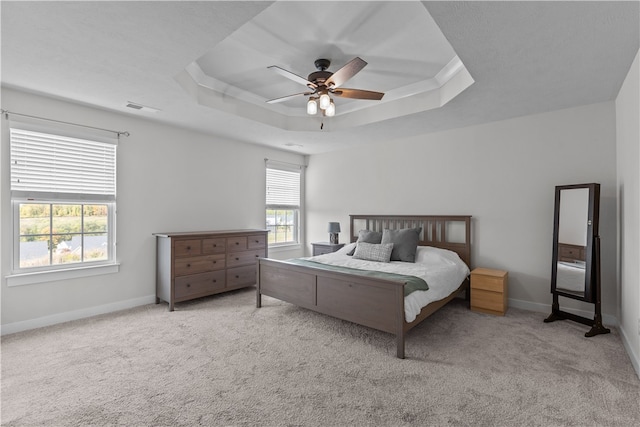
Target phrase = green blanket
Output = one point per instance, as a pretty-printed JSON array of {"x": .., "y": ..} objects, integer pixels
[{"x": 411, "y": 283}]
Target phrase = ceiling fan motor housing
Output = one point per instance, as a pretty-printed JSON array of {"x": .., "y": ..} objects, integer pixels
[
  {"x": 320, "y": 76},
  {"x": 322, "y": 64}
]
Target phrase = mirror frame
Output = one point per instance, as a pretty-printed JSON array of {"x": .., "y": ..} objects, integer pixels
[{"x": 590, "y": 285}]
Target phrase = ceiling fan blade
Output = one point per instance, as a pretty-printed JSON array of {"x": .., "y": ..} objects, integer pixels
[
  {"x": 296, "y": 78},
  {"x": 285, "y": 98},
  {"x": 358, "y": 94},
  {"x": 345, "y": 73}
]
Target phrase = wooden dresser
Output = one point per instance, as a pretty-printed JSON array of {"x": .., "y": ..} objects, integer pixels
[
  {"x": 196, "y": 264},
  {"x": 489, "y": 291}
]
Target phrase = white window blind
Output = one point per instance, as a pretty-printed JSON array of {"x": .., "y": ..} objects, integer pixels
[
  {"x": 283, "y": 188},
  {"x": 53, "y": 166}
]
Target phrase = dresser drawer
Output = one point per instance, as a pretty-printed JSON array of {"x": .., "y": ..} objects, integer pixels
[
  {"x": 200, "y": 264},
  {"x": 242, "y": 276},
  {"x": 571, "y": 252},
  {"x": 188, "y": 247},
  {"x": 242, "y": 258},
  {"x": 214, "y": 246},
  {"x": 257, "y": 241},
  {"x": 237, "y": 243},
  {"x": 195, "y": 284}
]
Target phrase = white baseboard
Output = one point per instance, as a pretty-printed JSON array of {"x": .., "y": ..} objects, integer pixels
[
  {"x": 607, "y": 319},
  {"x": 635, "y": 358},
  {"x": 40, "y": 322}
]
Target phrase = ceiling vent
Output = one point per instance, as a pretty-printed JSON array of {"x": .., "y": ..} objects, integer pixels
[{"x": 141, "y": 107}]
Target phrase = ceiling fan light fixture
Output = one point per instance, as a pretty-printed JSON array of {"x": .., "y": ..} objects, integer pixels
[
  {"x": 330, "y": 111},
  {"x": 325, "y": 101},
  {"x": 312, "y": 107}
]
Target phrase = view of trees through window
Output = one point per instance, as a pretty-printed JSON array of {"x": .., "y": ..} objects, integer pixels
[
  {"x": 282, "y": 225},
  {"x": 60, "y": 233}
]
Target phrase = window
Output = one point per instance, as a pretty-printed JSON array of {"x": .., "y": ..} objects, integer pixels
[
  {"x": 63, "y": 195},
  {"x": 283, "y": 203}
]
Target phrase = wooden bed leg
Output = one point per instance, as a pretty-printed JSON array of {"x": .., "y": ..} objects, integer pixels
[
  {"x": 400, "y": 346},
  {"x": 258, "y": 294},
  {"x": 400, "y": 322}
]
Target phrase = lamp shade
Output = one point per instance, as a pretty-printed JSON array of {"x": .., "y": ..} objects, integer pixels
[
  {"x": 324, "y": 101},
  {"x": 334, "y": 227},
  {"x": 331, "y": 109},
  {"x": 312, "y": 107}
]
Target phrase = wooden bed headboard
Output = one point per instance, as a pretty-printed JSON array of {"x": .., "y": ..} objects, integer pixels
[{"x": 452, "y": 232}]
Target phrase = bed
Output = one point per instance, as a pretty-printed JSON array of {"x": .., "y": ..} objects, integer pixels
[{"x": 369, "y": 300}]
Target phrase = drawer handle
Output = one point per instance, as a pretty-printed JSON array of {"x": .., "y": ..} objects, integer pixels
[
  {"x": 237, "y": 243},
  {"x": 188, "y": 265},
  {"x": 237, "y": 277},
  {"x": 237, "y": 259},
  {"x": 215, "y": 262},
  {"x": 257, "y": 256},
  {"x": 188, "y": 285},
  {"x": 188, "y": 248},
  {"x": 257, "y": 241},
  {"x": 214, "y": 280}
]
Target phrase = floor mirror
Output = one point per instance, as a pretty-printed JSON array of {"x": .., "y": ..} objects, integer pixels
[{"x": 575, "y": 271}]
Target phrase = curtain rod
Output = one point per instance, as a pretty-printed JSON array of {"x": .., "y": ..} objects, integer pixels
[{"x": 119, "y": 133}]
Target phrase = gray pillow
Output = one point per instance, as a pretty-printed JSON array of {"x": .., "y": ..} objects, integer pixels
[
  {"x": 367, "y": 236},
  {"x": 405, "y": 243},
  {"x": 380, "y": 252}
]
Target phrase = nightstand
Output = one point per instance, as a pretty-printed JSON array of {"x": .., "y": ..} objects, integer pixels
[
  {"x": 489, "y": 291},
  {"x": 321, "y": 248}
]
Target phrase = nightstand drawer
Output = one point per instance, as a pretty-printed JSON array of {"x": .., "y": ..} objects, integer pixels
[
  {"x": 487, "y": 301},
  {"x": 325, "y": 248},
  {"x": 494, "y": 284}
]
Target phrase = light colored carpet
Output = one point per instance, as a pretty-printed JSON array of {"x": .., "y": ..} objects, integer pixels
[{"x": 219, "y": 361}]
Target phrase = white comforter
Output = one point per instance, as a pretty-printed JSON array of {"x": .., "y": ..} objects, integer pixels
[
  {"x": 443, "y": 271},
  {"x": 570, "y": 276}
]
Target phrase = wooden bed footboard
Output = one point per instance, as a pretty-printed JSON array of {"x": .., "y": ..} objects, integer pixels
[
  {"x": 376, "y": 303},
  {"x": 367, "y": 301}
]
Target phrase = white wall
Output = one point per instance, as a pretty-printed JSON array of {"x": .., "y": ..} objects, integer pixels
[
  {"x": 628, "y": 187},
  {"x": 169, "y": 179},
  {"x": 503, "y": 174}
]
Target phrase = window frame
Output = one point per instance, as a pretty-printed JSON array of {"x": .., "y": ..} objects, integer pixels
[
  {"x": 52, "y": 272},
  {"x": 298, "y": 209},
  {"x": 111, "y": 223}
]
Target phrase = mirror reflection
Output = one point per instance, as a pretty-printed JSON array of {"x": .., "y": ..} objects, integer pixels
[{"x": 572, "y": 240}]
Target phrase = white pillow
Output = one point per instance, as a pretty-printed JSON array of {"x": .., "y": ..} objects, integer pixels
[
  {"x": 346, "y": 249},
  {"x": 380, "y": 252},
  {"x": 431, "y": 255}
]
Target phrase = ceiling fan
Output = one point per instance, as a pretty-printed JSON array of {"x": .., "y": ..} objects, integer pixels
[{"x": 323, "y": 83}]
